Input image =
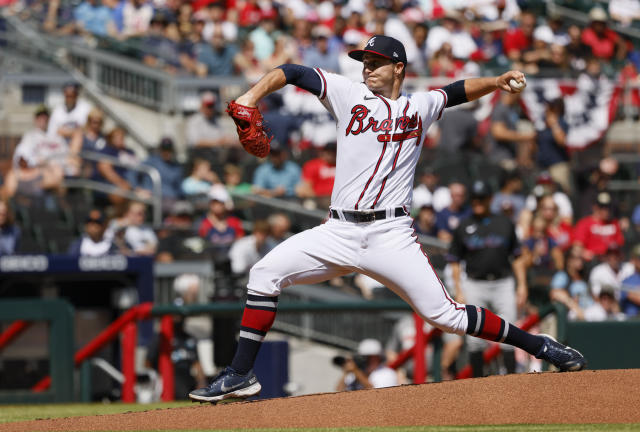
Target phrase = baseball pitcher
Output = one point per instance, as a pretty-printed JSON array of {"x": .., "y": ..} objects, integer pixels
[{"x": 380, "y": 134}]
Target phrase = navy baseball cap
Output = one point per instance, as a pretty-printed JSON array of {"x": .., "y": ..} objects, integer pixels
[
  {"x": 480, "y": 190},
  {"x": 384, "y": 46}
]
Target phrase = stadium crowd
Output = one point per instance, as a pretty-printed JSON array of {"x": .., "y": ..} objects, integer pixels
[{"x": 580, "y": 239}]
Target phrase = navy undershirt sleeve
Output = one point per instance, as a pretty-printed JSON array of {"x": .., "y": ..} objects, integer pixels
[
  {"x": 456, "y": 94},
  {"x": 303, "y": 77}
]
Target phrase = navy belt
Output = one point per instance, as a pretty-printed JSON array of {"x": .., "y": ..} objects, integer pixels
[{"x": 367, "y": 216}]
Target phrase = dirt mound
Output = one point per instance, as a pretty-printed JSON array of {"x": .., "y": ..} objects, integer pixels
[{"x": 611, "y": 396}]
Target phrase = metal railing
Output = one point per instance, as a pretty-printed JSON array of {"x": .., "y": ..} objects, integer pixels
[{"x": 83, "y": 183}]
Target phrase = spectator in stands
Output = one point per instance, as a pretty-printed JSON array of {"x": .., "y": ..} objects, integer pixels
[
  {"x": 610, "y": 272},
  {"x": 205, "y": 135},
  {"x": 248, "y": 250},
  {"x": 233, "y": 180},
  {"x": 630, "y": 293},
  {"x": 283, "y": 52},
  {"x": 348, "y": 66},
  {"x": 458, "y": 139},
  {"x": 449, "y": 218},
  {"x": 605, "y": 308},
  {"x": 509, "y": 198},
  {"x": 94, "y": 18},
  {"x": 130, "y": 232},
  {"x": 247, "y": 64},
  {"x": 218, "y": 227},
  {"x": 508, "y": 140},
  {"x": 200, "y": 180},
  {"x": 452, "y": 32},
  {"x": 425, "y": 222},
  {"x": 71, "y": 115},
  {"x": 10, "y": 232},
  {"x": 164, "y": 160},
  {"x": 542, "y": 255},
  {"x": 216, "y": 56},
  {"x": 430, "y": 192},
  {"x": 91, "y": 138},
  {"x": 136, "y": 18},
  {"x": 32, "y": 174},
  {"x": 577, "y": 50},
  {"x": 570, "y": 288},
  {"x": 538, "y": 56},
  {"x": 177, "y": 238},
  {"x": 319, "y": 55},
  {"x": 604, "y": 42},
  {"x": 279, "y": 227},
  {"x": 160, "y": 46},
  {"x": 556, "y": 228},
  {"x": 520, "y": 38},
  {"x": 599, "y": 230},
  {"x": 444, "y": 64},
  {"x": 367, "y": 370},
  {"x": 319, "y": 174},
  {"x": 631, "y": 231},
  {"x": 552, "y": 149},
  {"x": 546, "y": 186},
  {"x": 276, "y": 177},
  {"x": 116, "y": 175},
  {"x": 592, "y": 179},
  {"x": 263, "y": 36},
  {"x": 419, "y": 34},
  {"x": 216, "y": 19},
  {"x": 93, "y": 241},
  {"x": 624, "y": 11}
]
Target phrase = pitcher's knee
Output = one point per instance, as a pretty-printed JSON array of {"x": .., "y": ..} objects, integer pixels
[
  {"x": 263, "y": 281},
  {"x": 452, "y": 320}
]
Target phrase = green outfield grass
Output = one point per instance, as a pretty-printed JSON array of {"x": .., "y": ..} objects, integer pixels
[{"x": 10, "y": 413}]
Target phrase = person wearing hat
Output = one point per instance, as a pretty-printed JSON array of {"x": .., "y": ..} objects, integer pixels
[
  {"x": 93, "y": 242},
  {"x": 603, "y": 41},
  {"x": 429, "y": 191},
  {"x": 219, "y": 228},
  {"x": 33, "y": 171},
  {"x": 319, "y": 54},
  {"x": 278, "y": 176},
  {"x": 630, "y": 293},
  {"x": 164, "y": 160},
  {"x": 488, "y": 245},
  {"x": 365, "y": 370},
  {"x": 72, "y": 114},
  {"x": 380, "y": 132},
  {"x": 610, "y": 272},
  {"x": 597, "y": 231},
  {"x": 204, "y": 133}
]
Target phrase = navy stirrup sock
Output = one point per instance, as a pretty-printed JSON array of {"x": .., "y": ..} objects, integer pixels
[{"x": 257, "y": 319}]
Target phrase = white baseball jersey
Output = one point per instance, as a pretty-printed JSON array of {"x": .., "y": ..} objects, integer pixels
[{"x": 379, "y": 141}]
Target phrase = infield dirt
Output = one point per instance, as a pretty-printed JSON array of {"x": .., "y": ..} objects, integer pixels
[{"x": 611, "y": 396}]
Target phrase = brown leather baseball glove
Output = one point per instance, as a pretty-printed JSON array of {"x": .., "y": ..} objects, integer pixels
[{"x": 251, "y": 132}]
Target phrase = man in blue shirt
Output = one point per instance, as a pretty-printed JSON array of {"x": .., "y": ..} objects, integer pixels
[
  {"x": 278, "y": 176},
  {"x": 216, "y": 58},
  {"x": 449, "y": 218},
  {"x": 170, "y": 173},
  {"x": 93, "y": 17},
  {"x": 630, "y": 294}
]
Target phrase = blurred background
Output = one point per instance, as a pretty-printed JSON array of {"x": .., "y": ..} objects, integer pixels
[{"x": 123, "y": 182}]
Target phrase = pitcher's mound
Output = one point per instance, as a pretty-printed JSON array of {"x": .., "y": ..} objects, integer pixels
[{"x": 611, "y": 396}]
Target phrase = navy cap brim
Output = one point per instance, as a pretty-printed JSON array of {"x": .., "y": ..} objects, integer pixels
[{"x": 359, "y": 54}]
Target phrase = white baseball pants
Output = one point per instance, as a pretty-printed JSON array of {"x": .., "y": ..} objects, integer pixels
[{"x": 385, "y": 250}]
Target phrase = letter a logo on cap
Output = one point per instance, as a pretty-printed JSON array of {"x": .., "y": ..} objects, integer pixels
[{"x": 371, "y": 41}]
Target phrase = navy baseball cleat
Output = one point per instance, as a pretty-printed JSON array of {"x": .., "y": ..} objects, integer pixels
[
  {"x": 226, "y": 385},
  {"x": 561, "y": 356}
]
